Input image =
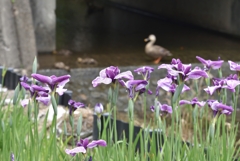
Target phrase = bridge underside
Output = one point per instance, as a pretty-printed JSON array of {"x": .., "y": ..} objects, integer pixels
[{"x": 218, "y": 15}]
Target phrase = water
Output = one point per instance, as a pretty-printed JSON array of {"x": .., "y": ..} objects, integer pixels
[{"x": 115, "y": 37}]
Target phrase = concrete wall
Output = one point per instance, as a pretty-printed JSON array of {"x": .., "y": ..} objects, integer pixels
[
  {"x": 17, "y": 39},
  {"x": 219, "y": 15}
]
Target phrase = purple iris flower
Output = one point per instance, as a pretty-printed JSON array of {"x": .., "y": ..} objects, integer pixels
[
  {"x": 135, "y": 86},
  {"x": 98, "y": 108},
  {"x": 196, "y": 73},
  {"x": 229, "y": 83},
  {"x": 83, "y": 145},
  {"x": 24, "y": 102},
  {"x": 193, "y": 102},
  {"x": 217, "y": 85},
  {"x": 12, "y": 157},
  {"x": 38, "y": 92},
  {"x": 53, "y": 81},
  {"x": 33, "y": 89},
  {"x": 73, "y": 105},
  {"x": 168, "y": 85},
  {"x": 210, "y": 64},
  {"x": 234, "y": 66},
  {"x": 219, "y": 107},
  {"x": 43, "y": 98},
  {"x": 232, "y": 77},
  {"x": 183, "y": 71},
  {"x": 145, "y": 71},
  {"x": 110, "y": 75},
  {"x": 90, "y": 158},
  {"x": 24, "y": 79},
  {"x": 164, "y": 108}
]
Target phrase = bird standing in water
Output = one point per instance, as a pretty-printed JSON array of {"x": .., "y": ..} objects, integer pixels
[{"x": 155, "y": 51}]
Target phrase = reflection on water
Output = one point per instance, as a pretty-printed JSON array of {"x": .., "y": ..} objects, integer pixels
[{"x": 115, "y": 37}]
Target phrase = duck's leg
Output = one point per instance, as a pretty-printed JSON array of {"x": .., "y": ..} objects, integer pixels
[{"x": 157, "y": 60}]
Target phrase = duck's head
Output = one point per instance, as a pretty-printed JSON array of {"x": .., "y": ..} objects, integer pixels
[{"x": 150, "y": 38}]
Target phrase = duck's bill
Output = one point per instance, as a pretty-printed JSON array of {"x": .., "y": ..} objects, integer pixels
[{"x": 146, "y": 39}]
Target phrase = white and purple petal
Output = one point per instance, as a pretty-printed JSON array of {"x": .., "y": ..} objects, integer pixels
[
  {"x": 98, "y": 108},
  {"x": 166, "y": 108},
  {"x": 219, "y": 107},
  {"x": 211, "y": 89},
  {"x": 234, "y": 66},
  {"x": 24, "y": 102},
  {"x": 76, "y": 150},
  {"x": 127, "y": 75},
  {"x": 183, "y": 102},
  {"x": 197, "y": 73},
  {"x": 100, "y": 80},
  {"x": 60, "y": 90},
  {"x": 44, "y": 100},
  {"x": 95, "y": 143}
]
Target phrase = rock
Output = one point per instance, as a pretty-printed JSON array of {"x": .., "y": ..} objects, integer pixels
[
  {"x": 87, "y": 122},
  {"x": 87, "y": 61},
  {"x": 61, "y": 65},
  {"x": 95, "y": 94},
  {"x": 63, "y": 52},
  {"x": 63, "y": 116},
  {"x": 83, "y": 97}
]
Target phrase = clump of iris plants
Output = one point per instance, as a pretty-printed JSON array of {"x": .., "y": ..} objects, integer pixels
[
  {"x": 211, "y": 119},
  {"x": 178, "y": 74}
]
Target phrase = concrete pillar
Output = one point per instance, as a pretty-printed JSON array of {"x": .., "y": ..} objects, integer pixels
[
  {"x": 25, "y": 32},
  {"x": 44, "y": 20}
]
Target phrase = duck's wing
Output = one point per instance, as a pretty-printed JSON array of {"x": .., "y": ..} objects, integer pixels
[{"x": 158, "y": 51}]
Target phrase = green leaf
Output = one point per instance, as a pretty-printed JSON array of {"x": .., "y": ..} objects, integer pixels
[
  {"x": 130, "y": 108},
  {"x": 3, "y": 125},
  {"x": 16, "y": 93},
  {"x": 10, "y": 121},
  {"x": 4, "y": 71},
  {"x": 79, "y": 125},
  {"x": 29, "y": 110},
  {"x": 65, "y": 127},
  {"x": 34, "y": 67},
  {"x": 71, "y": 120},
  {"x": 115, "y": 94},
  {"x": 110, "y": 94},
  {"x": 44, "y": 128},
  {"x": 156, "y": 108},
  {"x": 54, "y": 104},
  {"x": 177, "y": 93}
]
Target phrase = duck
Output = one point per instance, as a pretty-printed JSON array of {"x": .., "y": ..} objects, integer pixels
[{"x": 155, "y": 51}]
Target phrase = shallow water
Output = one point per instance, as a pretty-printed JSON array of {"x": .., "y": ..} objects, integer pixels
[{"x": 115, "y": 37}]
